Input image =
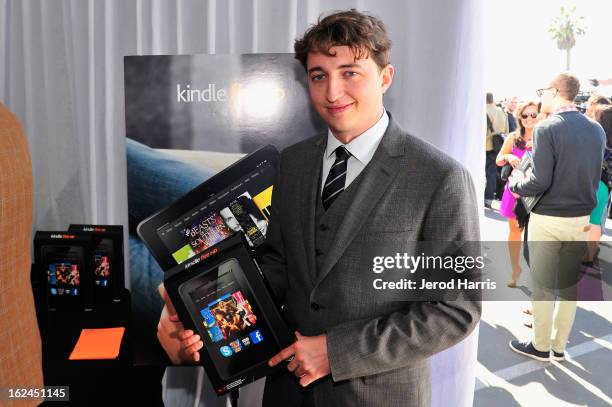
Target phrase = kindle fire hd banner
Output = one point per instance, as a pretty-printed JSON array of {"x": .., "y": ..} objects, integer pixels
[{"x": 188, "y": 117}]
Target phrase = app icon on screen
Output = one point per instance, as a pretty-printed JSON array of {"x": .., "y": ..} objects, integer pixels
[
  {"x": 256, "y": 336},
  {"x": 51, "y": 275},
  {"x": 236, "y": 347},
  {"x": 226, "y": 351},
  {"x": 245, "y": 341},
  {"x": 215, "y": 334},
  {"x": 54, "y": 291}
]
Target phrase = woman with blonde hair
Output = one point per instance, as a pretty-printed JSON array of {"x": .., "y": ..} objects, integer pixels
[{"x": 515, "y": 145}]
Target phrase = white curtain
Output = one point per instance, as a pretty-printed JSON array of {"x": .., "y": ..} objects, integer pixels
[{"x": 61, "y": 72}]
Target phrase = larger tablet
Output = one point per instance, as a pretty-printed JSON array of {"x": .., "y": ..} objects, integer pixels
[{"x": 236, "y": 200}]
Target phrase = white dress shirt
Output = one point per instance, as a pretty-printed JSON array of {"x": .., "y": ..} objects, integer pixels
[{"x": 362, "y": 149}]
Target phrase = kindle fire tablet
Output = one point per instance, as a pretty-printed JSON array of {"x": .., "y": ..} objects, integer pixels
[
  {"x": 107, "y": 259},
  {"x": 237, "y": 200},
  {"x": 63, "y": 258},
  {"x": 221, "y": 295}
]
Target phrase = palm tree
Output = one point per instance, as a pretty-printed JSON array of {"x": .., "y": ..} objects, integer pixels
[{"x": 564, "y": 29}]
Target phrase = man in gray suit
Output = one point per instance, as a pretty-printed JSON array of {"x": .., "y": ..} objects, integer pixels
[{"x": 365, "y": 182}]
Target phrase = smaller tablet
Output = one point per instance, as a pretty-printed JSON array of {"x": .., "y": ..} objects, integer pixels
[
  {"x": 64, "y": 268},
  {"x": 221, "y": 295},
  {"x": 103, "y": 255},
  {"x": 107, "y": 260},
  {"x": 63, "y": 257},
  {"x": 228, "y": 318}
]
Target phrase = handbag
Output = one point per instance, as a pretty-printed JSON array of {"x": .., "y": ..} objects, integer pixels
[
  {"x": 522, "y": 216},
  {"x": 498, "y": 142},
  {"x": 505, "y": 172},
  {"x": 526, "y": 167}
]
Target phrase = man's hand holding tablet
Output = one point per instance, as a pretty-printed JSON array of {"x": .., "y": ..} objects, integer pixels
[
  {"x": 307, "y": 358},
  {"x": 181, "y": 345}
]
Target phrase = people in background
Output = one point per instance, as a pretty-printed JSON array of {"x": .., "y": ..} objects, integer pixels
[
  {"x": 496, "y": 131},
  {"x": 510, "y": 110},
  {"x": 515, "y": 145},
  {"x": 603, "y": 115},
  {"x": 594, "y": 101}
]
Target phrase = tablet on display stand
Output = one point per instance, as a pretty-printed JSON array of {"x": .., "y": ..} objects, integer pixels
[
  {"x": 107, "y": 258},
  {"x": 63, "y": 259}
]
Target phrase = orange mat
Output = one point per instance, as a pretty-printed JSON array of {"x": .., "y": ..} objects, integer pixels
[{"x": 100, "y": 343}]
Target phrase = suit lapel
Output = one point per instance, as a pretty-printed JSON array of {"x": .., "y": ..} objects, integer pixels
[
  {"x": 379, "y": 174},
  {"x": 310, "y": 182}
]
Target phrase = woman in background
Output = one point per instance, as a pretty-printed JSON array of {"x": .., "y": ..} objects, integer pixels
[
  {"x": 593, "y": 102},
  {"x": 603, "y": 115},
  {"x": 515, "y": 145}
]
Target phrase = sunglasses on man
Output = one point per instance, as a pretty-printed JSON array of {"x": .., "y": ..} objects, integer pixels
[{"x": 540, "y": 92}]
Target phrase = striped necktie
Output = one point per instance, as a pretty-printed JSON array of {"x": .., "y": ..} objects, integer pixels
[{"x": 334, "y": 184}]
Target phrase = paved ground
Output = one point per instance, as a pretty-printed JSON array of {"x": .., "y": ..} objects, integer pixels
[{"x": 505, "y": 378}]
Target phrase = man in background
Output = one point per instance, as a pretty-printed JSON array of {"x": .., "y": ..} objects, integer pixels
[
  {"x": 567, "y": 154},
  {"x": 497, "y": 128},
  {"x": 510, "y": 108}
]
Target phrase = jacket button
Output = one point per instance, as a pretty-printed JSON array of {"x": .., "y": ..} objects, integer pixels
[
  {"x": 315, "y": 306},
  {"x": 323, "y": 227},
  {"x": 318, "y": 252}
]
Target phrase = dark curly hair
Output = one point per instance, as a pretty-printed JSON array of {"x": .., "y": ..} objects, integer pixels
[
  {"x": 519, "y": 140},
  {"x": 603, "y": 115},
  {"x": 366, "y": 35}
]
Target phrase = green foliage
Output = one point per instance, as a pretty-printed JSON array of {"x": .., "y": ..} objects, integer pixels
[{"x": 565, "y": 27}]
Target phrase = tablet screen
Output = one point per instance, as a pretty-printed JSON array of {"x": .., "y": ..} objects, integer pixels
[
  {"x": 63, "y": 276},
  {"x": 102, "y": 262},
  {"x": 228, "y": 319},
  {"x": 236, "y": 200},
  {"x": 64, "y": 271},
  {"x": 106, "y": 259},
  {"x": 241, "y": 207}
]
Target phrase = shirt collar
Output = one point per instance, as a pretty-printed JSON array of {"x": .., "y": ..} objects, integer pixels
[
  {"x": 567, "y": 108},
  {"x": 363, "y": 146}
]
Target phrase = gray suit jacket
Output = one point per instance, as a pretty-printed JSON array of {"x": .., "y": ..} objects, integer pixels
[{"x": 378, "y": 350}]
